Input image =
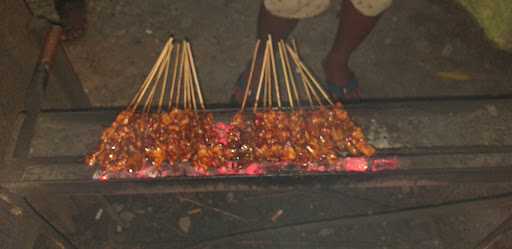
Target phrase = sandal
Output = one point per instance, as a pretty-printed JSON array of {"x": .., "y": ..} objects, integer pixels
[{"x": 348, "y": 93}]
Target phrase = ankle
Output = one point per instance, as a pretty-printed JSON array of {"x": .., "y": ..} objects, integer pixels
[
  {"x": 333, "y": 64},
  {"x": 337, "y": 59}
]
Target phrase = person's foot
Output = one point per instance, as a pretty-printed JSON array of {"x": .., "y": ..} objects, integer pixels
[
  {"x": 73, "y": 17},
  {"x": 341, "y": 81}
]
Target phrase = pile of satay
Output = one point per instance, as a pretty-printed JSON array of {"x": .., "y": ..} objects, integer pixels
[{"x": 293, "y": 120}]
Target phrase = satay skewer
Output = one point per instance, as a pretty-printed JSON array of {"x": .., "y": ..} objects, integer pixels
[
  {"x": 142, "y": 90},
  {"x": 274, "y": 72},
  {"x": 147, "y": 104},
  {"x": 292, "y": 73},
  {"x": 309, "y": 74},
  {"x": 180, "y": 75},
  {"x": 174, "y": 75},
  {"x": 289, "y": 67},
  {"x": 186, "y": 82},
  {"x": 251, "y": 72},
  {"x": 265, "y": 86},
  {"x": 187, "y": 78},
  {"x": 196, "y": 79},
  {"x": 305, "y": 82},
  {"x": 262, "y": 71},
  {"x": 285, "y": 73},
  {"x": 316, "y": 84},
  {"x": 191, "y": 91},
  {"x": 265, "y": 83},
  {"x": 269, "y": 73},
  {"x": 152, "y": 72},
  {"x": 156, "y": 82},
  {"x": 164, "y": 82},
  {"x": 267, "y": 91},
  {"x": 310, "y": 91}
]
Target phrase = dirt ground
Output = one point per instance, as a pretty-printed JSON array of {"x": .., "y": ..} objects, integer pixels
[{"x": 413, "y": 42}]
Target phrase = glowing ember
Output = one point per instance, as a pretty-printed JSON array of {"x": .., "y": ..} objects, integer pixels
[
  {"x": 384, "y": 164},
  {"x": 356, "y": 164},
  {"x": 254, "y": 169}
]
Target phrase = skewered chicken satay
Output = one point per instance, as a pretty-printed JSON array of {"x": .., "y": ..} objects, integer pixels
[
  {"x": 171, "y": 136},
  {"x": 118, "y": 147},
  {"x": 154, "y": 141},
  {"x": 283, "y": 135},
  {"x": 207, "y": 154},
  {"x": 318, "y": 145},
  {"x": 298, "y": 136},
  {"x": 347, "y": 135},
  {"x": 244, "y": 129},
  {"x": 273, "y": 137},
  {"x": 264, "y": 123}
]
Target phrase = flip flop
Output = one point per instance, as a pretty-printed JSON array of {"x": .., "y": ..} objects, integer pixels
[{"x": 349, "y": 92}]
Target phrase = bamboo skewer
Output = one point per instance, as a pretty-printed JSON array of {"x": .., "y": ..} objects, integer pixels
[
  {"x": 194, "y": 74},
  {"x": 268, "y": 85},
  {"x": 304, "y": 80},
  {"x": 251, "y": 72},
  {"x": 175, "y": 71},
  {"x": 186, "y": 76},
  {"x": 311, "y": 90},
  {"x": 153, "y": 70},
  {"x": 315, "y": 83},
  {"x": 306, "y": 83},
  {"x": 274, "y": 71},
  {"x": 180, "y": 74},
  {"x": 142, "y": 90},
  {"x": 265, "y": 73},
  {"x": 164, "y": 82},
  {"x": 190, "y": 79},
  {"x": 306, "y": 88},
  {"x": 194, "y": 104},
  {"x": 269, "y": 78},
  {"x": 269, "y": 73},
  {"x": 185, "y": 83},
  {"x": 258, "y": 91},
  {"x": 285, "y": 72},
  {"x": 292, "y": 74},
  {"x": 156, "y": 82},
  {"x": 184, "y": 88},
  {"x": 265, "y": 88},
  {"x": 303, "y": 74},
  {"x": 301, "y": 65}
]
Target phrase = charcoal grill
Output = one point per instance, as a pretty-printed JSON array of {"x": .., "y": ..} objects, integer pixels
[{"x": 437, "y": 142}]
